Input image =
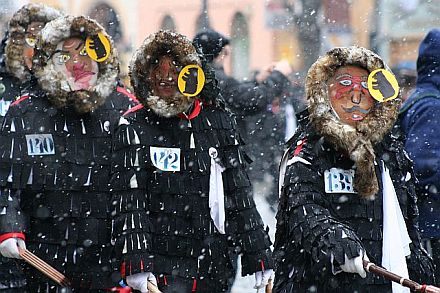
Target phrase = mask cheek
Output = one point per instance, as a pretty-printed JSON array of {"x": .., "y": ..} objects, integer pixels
[
  {"x": 95, "y": 70},
  {"x": 28, "y": 53}
]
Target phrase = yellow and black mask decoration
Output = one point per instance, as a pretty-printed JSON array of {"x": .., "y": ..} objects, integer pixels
[
  {"x": 383, "y": 85},
  {"x": 98, "y": 47},
  {"x": 191, "y": 80}
]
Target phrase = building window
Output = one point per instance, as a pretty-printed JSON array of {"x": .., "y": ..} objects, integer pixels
[
  {"x": 240, "y": 46},
  {"x": 168, "y": 23}
]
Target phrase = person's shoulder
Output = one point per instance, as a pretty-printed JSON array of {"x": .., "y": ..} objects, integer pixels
[
  {"x": 28, "y": 102},
  {"x": 421, "y": 98},
  {"x": 121, "y": 99},
  {"x": 305, "y": 144},
  {"x": 133, "y": 116}
]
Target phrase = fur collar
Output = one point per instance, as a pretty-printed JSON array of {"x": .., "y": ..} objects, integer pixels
[
  {"x": 17, "y": 27},
  {"x": 55, "y": 83},
  {"x": 154, "y": 46},
  {"x": 357, "y": 142}
]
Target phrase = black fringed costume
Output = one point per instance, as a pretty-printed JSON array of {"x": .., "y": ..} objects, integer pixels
[
  {"x": 54, "y": 176},
  {"x": 13, "y": 75},
  {"x": 10, "y": 89},
  {"x": 163, "y": 223},
  {"x": 313, "y": 225}
]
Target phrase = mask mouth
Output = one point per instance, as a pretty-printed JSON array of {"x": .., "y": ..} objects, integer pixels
[
  {"x": 356, "y": 108},
  {"x": 356, "y": 117},
  {"x": 166, "y": 83},
  {"x": 165, "y": 87},
  {"x": 82, "y": 74}
]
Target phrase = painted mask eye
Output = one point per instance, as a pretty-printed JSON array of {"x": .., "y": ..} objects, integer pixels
[
  {"x": 63, "y": 58},
  {"x": 345, "y": 82},
  {"x": 31, "y": 41},
  {"x": 364, "y": 85},
  {"x": 83, "y": 51}
]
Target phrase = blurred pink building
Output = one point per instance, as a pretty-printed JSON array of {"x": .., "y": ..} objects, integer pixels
[{"x": 262, "y": 31}]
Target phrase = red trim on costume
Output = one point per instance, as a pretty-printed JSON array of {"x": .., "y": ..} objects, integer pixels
[
  {"x": 124, "y": 91},
  {"x": 299, "y": 147},
  {"x": 21, "y": 99},
  {"x": 134, "y": 109},
  {"x": 122, "y": 269},
  {"x": 5, "y": 236},
  {"x": 194, "y": 113},
  {"x": 165, "y": 281},
  {"x": 262, "y": 266},
  {"x": 194, "y": 288},
  {"x": 142, "y": 264}
]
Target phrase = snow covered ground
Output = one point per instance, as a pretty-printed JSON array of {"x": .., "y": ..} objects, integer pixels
[{"x": 246, "y": 284}]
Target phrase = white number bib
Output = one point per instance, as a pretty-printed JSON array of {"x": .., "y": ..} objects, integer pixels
[
  {"x": 40, "y": 144},
  {"x": 165, "y": 159},
  {"x": 339, "y": 181}
]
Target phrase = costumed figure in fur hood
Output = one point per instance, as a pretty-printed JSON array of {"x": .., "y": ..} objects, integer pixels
[
  {"x": 55, "y": 163},
  {"x": 346, "y": 184},
  {"x": 181, "y": 193},
  {"x": 16, "y": 51}
]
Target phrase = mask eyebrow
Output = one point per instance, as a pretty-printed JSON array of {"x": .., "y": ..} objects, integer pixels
[
  {"x": 343, "y": 75},
  {"x": 79, "y": 45}
]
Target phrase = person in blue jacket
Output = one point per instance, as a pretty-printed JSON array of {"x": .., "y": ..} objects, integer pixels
[{"x": 420, "y": 120}]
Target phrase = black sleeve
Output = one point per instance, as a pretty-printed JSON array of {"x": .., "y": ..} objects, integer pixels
[
  {"x": 244, "y": 223},
  {"x": 12, "y": 174},
  {"x": 306, "y": 226},
  {"x": 12, "y": 219},
  {"x": 244, "y": 226},
  {"x": 132, "y": 228},
  {"x": 249, "y": 97}
]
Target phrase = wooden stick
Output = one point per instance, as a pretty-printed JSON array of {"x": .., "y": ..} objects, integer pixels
[
  {"x": 153, "y": 288},
  {"x": 44, "y": 267},
  {"x": 371, "y": 267},
  {"x": 41, "y": 266},
  {"x": 269, "y": 286},
  {"x": 37, "y": 261}
]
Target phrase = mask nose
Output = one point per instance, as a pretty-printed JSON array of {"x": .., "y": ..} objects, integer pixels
[
  {"x": 166, "y": 70},
  {"x": 356, "y": 97},
  {"x": 356, "y": 93}
]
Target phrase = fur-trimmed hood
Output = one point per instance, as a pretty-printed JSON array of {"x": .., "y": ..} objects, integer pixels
[
  {"x": 55, "y": 83},
  {"x": 179, "y": 47},
  {"x": 17, "y": 28},
  {"x": 357, "y": 142}
]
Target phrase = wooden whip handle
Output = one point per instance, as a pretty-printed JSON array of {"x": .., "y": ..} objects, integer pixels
[
  {"x": 153, "y": 288},
  {"x": 269, "y": 286},
  {"x": 371, "y": 267},
  {"x": 44, "y": 267}
]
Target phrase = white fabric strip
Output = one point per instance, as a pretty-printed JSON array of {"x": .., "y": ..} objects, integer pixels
[
  {"x": 395, "y": 246},
  {"x": 216, "y": 193}
]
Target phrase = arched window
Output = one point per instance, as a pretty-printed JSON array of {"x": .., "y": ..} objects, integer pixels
[
  {"x": 168, "y": 23},
  {"x": 106, "y": 16},
  {"x": 240, "y": 46}
]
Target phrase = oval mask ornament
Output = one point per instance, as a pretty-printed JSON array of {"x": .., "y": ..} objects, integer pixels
[
  {"x": 383, "y": 85},
  {"x": 191, "y": 80},
  {"x": 98, "y": 47}
]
